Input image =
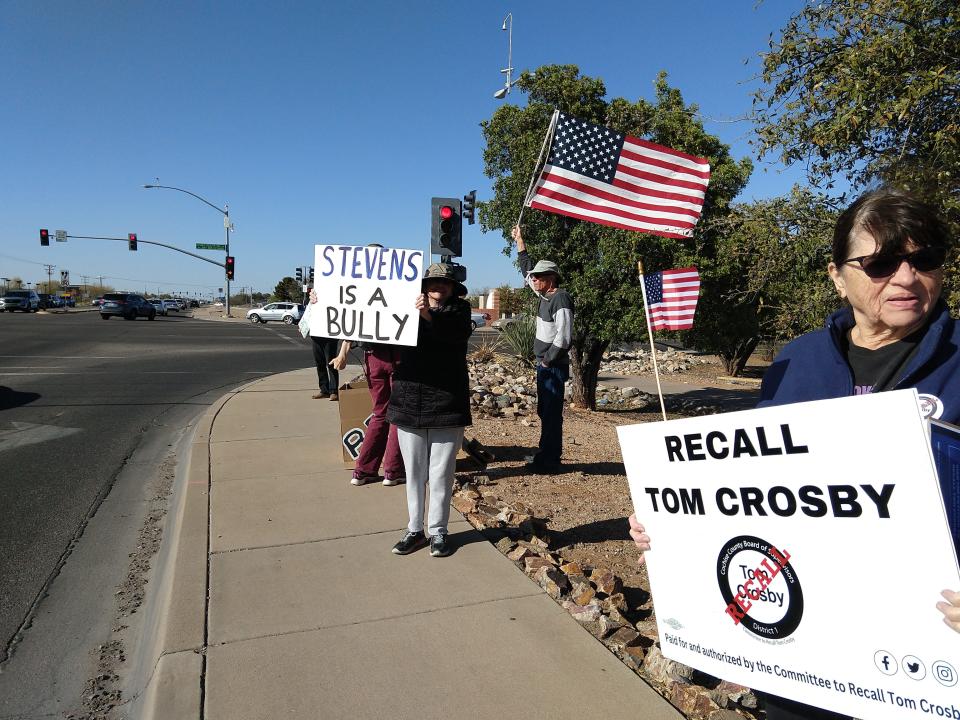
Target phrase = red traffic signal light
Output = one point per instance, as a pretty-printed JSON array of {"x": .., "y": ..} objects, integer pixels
[
  {"x": 44, "y": 236},
  {"x": 229, "y": 266},
  {"x": 132, "y": 241},
  {"x": 445, "y": 227}
]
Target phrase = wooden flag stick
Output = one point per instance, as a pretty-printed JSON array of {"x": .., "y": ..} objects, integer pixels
[
  {"x": 548, "y": 138},
  {"x": 653, "y": 349}
]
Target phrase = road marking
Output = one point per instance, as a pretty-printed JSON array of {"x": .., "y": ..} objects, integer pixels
[
  {"x": 19, "y": 434},
  {"x": 281, "y": 335}
]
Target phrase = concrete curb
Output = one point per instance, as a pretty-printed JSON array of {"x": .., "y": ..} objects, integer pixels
[{"x": 169, "y": 663}]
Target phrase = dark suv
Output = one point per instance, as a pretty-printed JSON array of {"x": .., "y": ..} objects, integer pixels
[
  {"x": 26, "y": 300},
  {"x": 127, "y": 305}
]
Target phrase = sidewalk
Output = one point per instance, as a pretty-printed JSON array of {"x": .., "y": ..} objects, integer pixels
[{"x": 279, "y": 596}]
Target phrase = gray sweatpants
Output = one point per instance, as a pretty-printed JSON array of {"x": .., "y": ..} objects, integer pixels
[{"x": 429, "y": 455}]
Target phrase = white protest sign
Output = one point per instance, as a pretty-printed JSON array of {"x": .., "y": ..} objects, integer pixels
[
  {"x": 801, "y": 550},
  {"x": 366, "y": 294}
]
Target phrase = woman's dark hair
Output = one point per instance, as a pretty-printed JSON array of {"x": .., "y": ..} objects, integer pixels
[{"x": 894, "y": 218}]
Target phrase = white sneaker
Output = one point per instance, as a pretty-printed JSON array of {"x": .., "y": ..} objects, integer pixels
[{"x": 390, "y": 482}]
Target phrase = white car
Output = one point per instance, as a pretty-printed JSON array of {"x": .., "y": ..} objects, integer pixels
[
  {"x": 169, "y": 305},
  {"x": 286, "y": 312},
  {"x": 158, "y": 304},
  {"x": 478, "y": 319}
]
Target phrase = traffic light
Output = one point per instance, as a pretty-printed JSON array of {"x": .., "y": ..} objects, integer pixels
[
  {"x": 299, "y": 276},
  {"x": 230, "y": 267},
  {"x": 469, "y": 205},
  {"x": 446, "y": 227},
  {"x": 311, "y": 274},
  {"x": 132, "y": 241},
  {"x": 44, "y": 237}
]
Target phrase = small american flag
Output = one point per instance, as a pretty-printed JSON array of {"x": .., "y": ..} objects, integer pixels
[
  {"x": 672, "y": 298},
  {"x": 597, "y": 174}
]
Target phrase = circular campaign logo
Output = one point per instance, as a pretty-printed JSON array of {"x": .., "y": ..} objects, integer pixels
[{"x": 760, "y": 587}]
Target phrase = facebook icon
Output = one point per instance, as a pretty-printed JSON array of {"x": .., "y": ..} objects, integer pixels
[{"x": 885, "y": 662}]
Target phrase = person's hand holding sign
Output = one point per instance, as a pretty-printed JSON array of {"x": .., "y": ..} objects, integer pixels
[
  {"x": 423, "y": 306},
  {"x": 639, "y": 535},
  {"x": 950, "y": 609}
]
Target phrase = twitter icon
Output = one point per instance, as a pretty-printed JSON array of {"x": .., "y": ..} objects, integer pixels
[{"x": 913, "y": 667}]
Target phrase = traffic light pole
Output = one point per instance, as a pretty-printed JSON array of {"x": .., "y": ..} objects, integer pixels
[{"x": 226, "y": 226}]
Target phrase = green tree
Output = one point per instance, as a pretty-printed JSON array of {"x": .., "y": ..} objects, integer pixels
[
  {"x": 513, "y": 300},
  {"x": 868, "y": 89},
  {"x": 768, "y": 274},
  {"x": 599, "y": 263},
  {"x": 289, "y": 290}
]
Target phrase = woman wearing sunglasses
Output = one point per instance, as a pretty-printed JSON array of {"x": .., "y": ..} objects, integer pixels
[{"x": 894, "y": 332}]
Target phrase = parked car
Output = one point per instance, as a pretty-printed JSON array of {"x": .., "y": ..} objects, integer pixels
[
  {"x": 97, "y": 302},
  {"x": 171, "y": 305},
  {"x": 69, "y": 301},
  {"x": 285, "y": 311},
  {"x": 158, "y": 304},
  {"x": 478, "y": 319},
  {"x": 129, "y": 306},
  {"x": 500, "y": 323},
  {"x": 25, "y": 300},
  {"x": 46, "y": 301}
]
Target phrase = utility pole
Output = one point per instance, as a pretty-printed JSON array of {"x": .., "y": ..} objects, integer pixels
[{"x": 49, "y": 276}]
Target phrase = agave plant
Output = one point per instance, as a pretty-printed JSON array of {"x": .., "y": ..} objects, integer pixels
[{"x": 518, "y": 337}]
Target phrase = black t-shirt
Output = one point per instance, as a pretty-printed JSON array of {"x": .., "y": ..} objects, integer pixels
[{"x": 880, "y": 369}]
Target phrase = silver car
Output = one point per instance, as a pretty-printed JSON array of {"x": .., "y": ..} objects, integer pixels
[
  {"x": 25, "y": 300},
  {"x": 286, "y": 312}
]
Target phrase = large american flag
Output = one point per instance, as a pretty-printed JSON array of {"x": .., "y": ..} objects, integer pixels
[
  {"x": 672, "y": 298},
  {"x": 597, "y": 174}
]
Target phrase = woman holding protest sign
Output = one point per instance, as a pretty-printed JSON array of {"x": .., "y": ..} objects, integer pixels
[
  {"x": 430, "y": 405},
  {"x": 895, "y": 332}
]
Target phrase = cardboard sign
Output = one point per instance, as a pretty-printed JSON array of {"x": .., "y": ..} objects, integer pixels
[
  {"x": 367, "y": 294},
  {"x": 356, "y": 409},
  {"x": 801, "y": 550}
]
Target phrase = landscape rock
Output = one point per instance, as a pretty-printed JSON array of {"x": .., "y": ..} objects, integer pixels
[
  {"x": 584, "y": 614},
  {"x": 622, "y": 638}
]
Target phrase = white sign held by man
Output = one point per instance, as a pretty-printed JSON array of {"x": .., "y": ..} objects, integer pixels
[
  {"x": 366, "y": 294},
  {"x": 801, "y": 550}
]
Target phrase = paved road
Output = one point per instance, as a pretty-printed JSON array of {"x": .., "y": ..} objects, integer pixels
[{"x": 78, "y": 395}]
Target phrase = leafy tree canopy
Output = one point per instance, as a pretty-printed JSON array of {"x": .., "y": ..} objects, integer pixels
[
  {"x": 288, "y": 290},
  {"x": 869, "y": 89},
  {"x": 598, "y": 263}
]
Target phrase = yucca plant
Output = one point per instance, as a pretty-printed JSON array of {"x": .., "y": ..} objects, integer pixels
[
  {"x": 487, "y": 350},
  {"x": 518, "y": 337}
]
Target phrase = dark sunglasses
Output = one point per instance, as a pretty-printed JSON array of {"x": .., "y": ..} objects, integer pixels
[{"x": 883, "y": 266}]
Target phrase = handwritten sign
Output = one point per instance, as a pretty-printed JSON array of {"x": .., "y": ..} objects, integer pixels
[
  {"x": 801, "y": 550},
  {"x": 366, "y": 294}
]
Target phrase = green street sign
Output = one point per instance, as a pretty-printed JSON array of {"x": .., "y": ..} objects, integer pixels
[{"x": 205, "y": 246}]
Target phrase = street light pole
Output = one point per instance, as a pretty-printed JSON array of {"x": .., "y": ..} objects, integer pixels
[{"x": 225, "y": 211}]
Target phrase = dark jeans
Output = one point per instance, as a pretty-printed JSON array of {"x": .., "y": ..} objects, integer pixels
[
  {"x": 380, "y": 438},
  {"x": 550, "y": 388},
  {"x": 325, "y": 350}
]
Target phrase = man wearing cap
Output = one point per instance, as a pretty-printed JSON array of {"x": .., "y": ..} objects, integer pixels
[{"x": 551, "y": 347}]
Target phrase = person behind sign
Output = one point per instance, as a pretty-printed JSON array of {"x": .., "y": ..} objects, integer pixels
[
  {"x": 380, "y": 438},
  {"x": 894, "y": 332},
  {"x": 324, "y": 351},
  {"x": 551, "y": 346},
  {"x": 430, "y": 405}
]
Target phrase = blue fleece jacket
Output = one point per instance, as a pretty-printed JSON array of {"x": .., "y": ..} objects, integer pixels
[{"x": 813, "y": 367}]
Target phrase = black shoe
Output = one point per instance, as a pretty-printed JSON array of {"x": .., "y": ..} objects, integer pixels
[
  {"x": 440, "y": 545},
  {"x": 410, "y": 542},
  {"x": 544, "y": 468}
]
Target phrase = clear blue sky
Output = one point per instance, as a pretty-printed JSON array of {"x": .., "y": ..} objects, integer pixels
[{"x": 316, "y": 122}]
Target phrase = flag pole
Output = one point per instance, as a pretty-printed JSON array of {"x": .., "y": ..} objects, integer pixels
[
  {"x": 653, "y": 349},
  {"x": 548, "y": 138}
]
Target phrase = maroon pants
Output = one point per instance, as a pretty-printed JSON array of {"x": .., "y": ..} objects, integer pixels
[{"x": 380, "y": 439}]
